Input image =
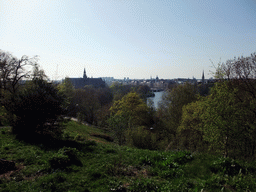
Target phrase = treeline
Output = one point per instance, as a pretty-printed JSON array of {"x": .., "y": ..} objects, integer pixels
[
  {"x": 216, "y": 118},
  {"x": 222, "y": 122}
]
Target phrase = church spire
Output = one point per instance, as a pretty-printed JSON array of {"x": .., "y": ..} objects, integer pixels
[
  {"x": 203, "y": 77},
  {"x": 84, "y": 76}
]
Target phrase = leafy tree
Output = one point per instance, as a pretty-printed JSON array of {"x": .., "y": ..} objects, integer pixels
[
  {"x": 119, "y": 90},
  {"x": 143, "y": 89},
  {"x": 37, "y": 110},
  {"x": 105, "y": 96},
  {"x": 229, "y": 124},
  {"x": 128, "y": 113},
  {"x": 170, "y": 110},
  {"x": 190, "y": 133},
  {"x": 67, "y": 90},
  {"x": 240, "y": 75},
  {"x": 225, "y": 119},
  {"x": 119, "y": 126},
  {"x": 87, "y": 104},
  {"x": 220, "y": 122},
  {"x": 132, "y": 107}
]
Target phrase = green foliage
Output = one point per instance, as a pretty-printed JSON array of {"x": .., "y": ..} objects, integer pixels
[
  {"x": 3, "y": 116},
  {"x": 171, "y": 160},
  {"x": 66, "y": 156},
  {"x": 79, "y": 137},
  {"x": 229, "y": 123},
  {"x": 37, "y": 110},
  {"x": 119, "y": 126},
  {"x": 54, "y": 183},
  {"x": 86, "y": 104},
  {"x": 132, "y": 108},
  {"x": 167, "y": 165},
  {"x": 119, "y": 90},
  {"x": 227, "y": 166},
  {"x": 223, "y": 122},
  {"x": 190, "y": 131},
  {"x": 67, "y": 90},
  {"x": 170, "y": 111},
  {"x": 142, "y": 138},
  {"x": 111, "y": 167},
  {"x": 144, "y": 185},
  {"x": 128, "y": 113},
  {"x": 67, "y": 135}
]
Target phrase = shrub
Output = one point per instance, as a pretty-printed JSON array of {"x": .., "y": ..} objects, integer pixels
[
  {"x": 142, "y": 138},
  {"x": 3, "y": 116},
  {"x": 66, "y": 156},
  {"x": 144, "y": 185},
  {"x": 67, "y": 135},
  {"x": 227, "y": 166},
  {"x": 79, "y": 137}
]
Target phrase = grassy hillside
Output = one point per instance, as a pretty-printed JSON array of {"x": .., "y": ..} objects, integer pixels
[{"x": 87, "y": 160}]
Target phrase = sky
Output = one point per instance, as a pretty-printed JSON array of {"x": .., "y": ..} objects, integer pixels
[{"x": 127, "y": 38}]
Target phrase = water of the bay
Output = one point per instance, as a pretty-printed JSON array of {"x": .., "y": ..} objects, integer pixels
[{"x": 156, "y": 99}]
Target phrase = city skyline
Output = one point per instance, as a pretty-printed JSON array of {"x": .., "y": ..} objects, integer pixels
[{"x": 136, "y": 39}]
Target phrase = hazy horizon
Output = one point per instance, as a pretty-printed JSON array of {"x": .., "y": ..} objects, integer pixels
[{"x": 135, "y": 39}]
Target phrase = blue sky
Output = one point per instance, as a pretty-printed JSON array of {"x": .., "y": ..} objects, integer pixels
[{"x": 127, "y": 38}]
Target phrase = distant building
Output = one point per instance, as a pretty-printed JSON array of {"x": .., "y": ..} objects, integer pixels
[{"x": 81, "y": 82}]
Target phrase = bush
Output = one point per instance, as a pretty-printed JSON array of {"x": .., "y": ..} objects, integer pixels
[
  {"x": 66, "y": 156},
  {"x": 141, "y": 138},
  {"x": 144, "y": 185},
  {"x": 3, "y": 116},
  {"x": 226, "y": 166},
  {"x": 79, "y": 137},
  {"x": 67, "y": 135}
]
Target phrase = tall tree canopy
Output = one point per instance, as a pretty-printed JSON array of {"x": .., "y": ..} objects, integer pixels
[{"x": 170, "y": 110}]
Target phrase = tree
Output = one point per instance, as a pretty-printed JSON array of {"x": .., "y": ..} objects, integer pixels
[
  {"x": 128, "y": 113},
  {"x": 38, "y": 74},
  {"x": 119, "y": 90},
  {"x": 37, "y": 110},
  {"x": 12, "y": 71},
  {"x": 143, "y": 89},
  {"x": 170, "y": 110},
  {"x": 67, "y": 90},
  {"x": 190, "y": 132},
  {"x": 33, "y": 107},
  {"x": 132, "y": 107},
  {"x": 229, "y": 124},
  {"x": 240, "y": 74},
  {"x": 225, "y": 119},
  {"x": 105, "y": 96},
  {"x": 87, "y": 104}
]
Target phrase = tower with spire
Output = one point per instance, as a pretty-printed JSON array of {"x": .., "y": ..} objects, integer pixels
[
  {"x": 203, "y": 78},
  {"x": 84, "y": 76}
]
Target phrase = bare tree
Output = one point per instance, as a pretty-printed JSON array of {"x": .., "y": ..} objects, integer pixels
[{"x": 12, "y": 70}]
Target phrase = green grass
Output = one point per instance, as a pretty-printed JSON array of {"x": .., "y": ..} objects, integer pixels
[
  {"x": 75, "y": 129},
  {"x": 106, "y": 166}
]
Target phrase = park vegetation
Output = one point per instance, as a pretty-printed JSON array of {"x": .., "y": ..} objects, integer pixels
[{"x": 201, "y": 138}]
